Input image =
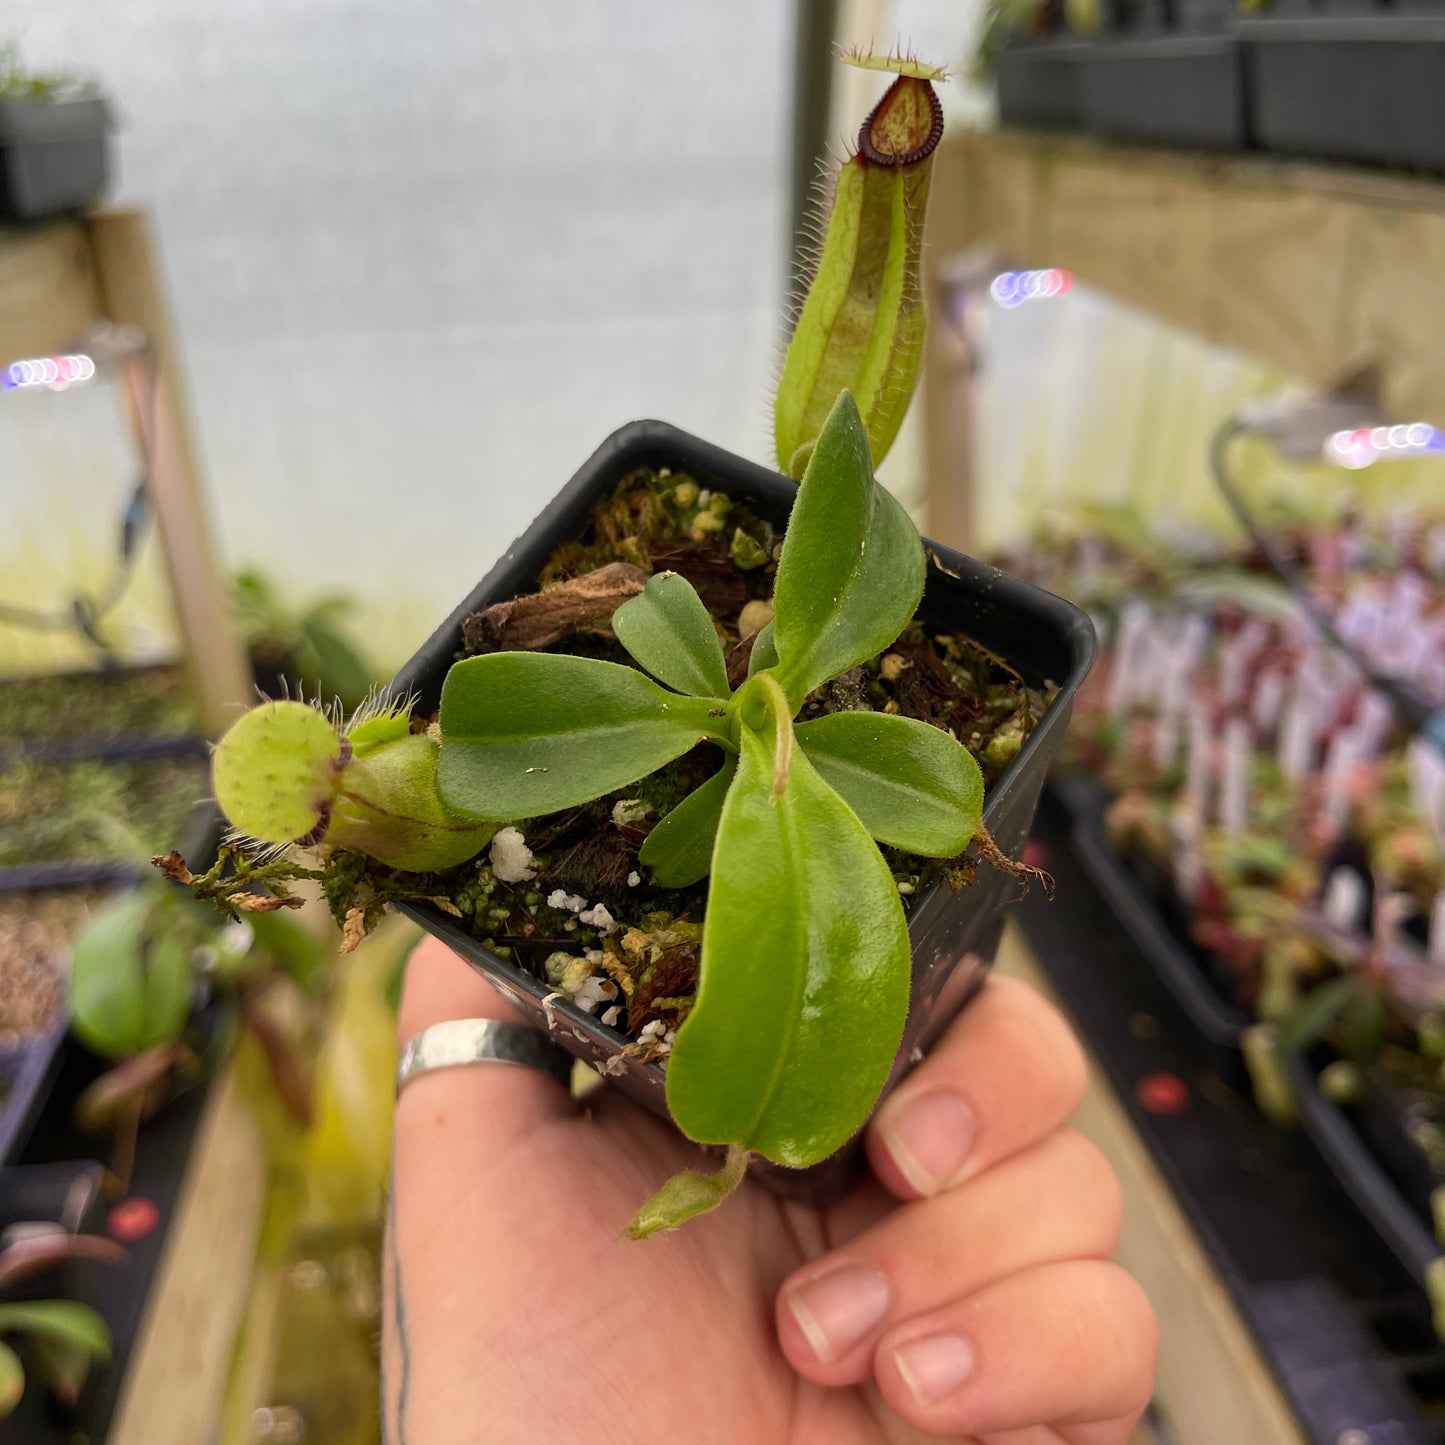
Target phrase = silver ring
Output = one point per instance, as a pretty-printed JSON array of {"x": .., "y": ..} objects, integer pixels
[{"x": 481, "y": 1041}]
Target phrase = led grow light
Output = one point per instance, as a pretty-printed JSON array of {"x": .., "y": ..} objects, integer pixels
[
  {"x": 55, "y": 372},
  {"x": 1360, "y": 446},
  {"x": 1013, "y": 288}
]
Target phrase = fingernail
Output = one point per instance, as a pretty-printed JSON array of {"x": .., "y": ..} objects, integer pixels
[
  {"x": 838, "y": 1310},
  {"x": 929, "y": 1137},
  {"x": 934, "y": 1368}
]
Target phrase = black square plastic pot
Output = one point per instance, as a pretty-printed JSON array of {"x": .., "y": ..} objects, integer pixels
[
  {"x": 1166, "y": 89},
  {"x": 1038, "y": 84},
  {"x": 954, "y": 935},
  {"x": 54, "y": 156},
  {"x": 1370, "y": 88}
]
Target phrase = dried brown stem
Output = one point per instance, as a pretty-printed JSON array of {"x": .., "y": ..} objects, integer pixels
[{"x": 585, "y": 604}]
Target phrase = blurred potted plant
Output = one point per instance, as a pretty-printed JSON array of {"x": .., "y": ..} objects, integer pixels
[
  {"x": 53, "y": 141},
  {"x": 300, "y": 654}
]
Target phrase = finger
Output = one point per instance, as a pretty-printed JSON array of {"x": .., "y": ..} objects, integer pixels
[
  {"x": 1057, "y": 1201},
  {"x": 1006, "y": 1074},
  {"x": 1063, "y": 1344},
  {"x": 489, "y": 1104}
]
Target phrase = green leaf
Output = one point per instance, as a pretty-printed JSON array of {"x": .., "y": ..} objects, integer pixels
[
  {"x": 805, "y": 966},
  {"x": 168, "y": 980},
  {"x": 679, "y": 848},
  {"x": 60, "y": 1368},
  {"x": 688, "y": 1194},
  {"x": 1315, "y": 1013},
  {"x": 913, "y": 786},
  {"x": 1365, "y": 1022},
  {"x": 65, "y": 1320},
  {"x": 851, "y": 574},
  {"x": 130, "y": 976},
  {"x": 765, "y": 651},
  {"x": 107, "y": 999},
  {"x": 668, "y": 630},
  {"x": 327, "y": 660},
  {"x": 295, "y": 950},
  {"x": 12, "y": 1380},
  {"x": 527, "y": 733}
]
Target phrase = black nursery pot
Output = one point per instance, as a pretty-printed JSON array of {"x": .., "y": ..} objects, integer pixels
[
  {"x": 954, "y": 935},
  {"x": 1038, "y": 83},
  {"x": 54, "y": 156}
]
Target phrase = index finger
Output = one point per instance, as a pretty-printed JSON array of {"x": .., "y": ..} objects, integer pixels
[{"x": 1005, "y": 1075}]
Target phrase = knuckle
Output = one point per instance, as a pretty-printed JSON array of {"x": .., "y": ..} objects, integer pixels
[
  {"x": 1094, "y": 1193},
  {"x": 1124, "y": 1317},
  {"x": 1045, "y": 1047}
]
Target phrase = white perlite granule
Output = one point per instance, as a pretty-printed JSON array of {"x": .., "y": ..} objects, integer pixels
[
  {"x": 511, "y": 858},
  {"x": 599, "y": 918}
]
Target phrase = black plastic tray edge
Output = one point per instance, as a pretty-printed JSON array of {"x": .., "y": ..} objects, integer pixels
[
  {"x": 1214, "y": 1020},
  {"x": 1371, "y": 1190},
  {"x": 1369, "y": 1187}
]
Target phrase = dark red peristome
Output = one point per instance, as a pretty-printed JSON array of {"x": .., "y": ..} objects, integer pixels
[{"x": 904, "y": 127}]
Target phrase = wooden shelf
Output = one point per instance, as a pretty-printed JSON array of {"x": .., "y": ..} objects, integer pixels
[
  {"x": 57, "y": 283},
  {"x": 1322, "y": 271}
]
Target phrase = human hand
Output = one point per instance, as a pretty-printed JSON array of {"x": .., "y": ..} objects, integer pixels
[{"x": 962, "y": 1292}]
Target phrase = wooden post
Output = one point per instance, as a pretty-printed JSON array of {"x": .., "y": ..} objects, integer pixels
[{"x": 132, "y": 294}]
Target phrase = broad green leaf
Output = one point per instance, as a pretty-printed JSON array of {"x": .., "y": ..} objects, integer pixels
[
  {"x": 688, "y": 1194},
  {"x": 60, "y": 1368},
  {"x": 805, "y": 970},
  {"x": 679, "y": 848},
  {"x": 527, "y": 733},
  {"x": 1316, "y": 1013},
  {"x": 765, "y": 650},
  {"x": 1365, "y": 1020},
  {"x": 130, "y": 977},
  {"x": 168, "y": 983},
  {"x": 12, "y": 1380},
  {"x": 911, "y": 785},
  {"x": 851, "y": 574},
  {"x": 668, "y": 630},
  {"x": 294, "y": 949},
  {"x": 65, "y": 1320},
  {"x": 328, "y": 661}
]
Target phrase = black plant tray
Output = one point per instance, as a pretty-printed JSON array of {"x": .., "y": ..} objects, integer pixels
[
  {"x": 1355, "y": 1146},
  {"x": 54, "y": 156},
  {"x": 1038, "y": 84},
  {"x": 120, "y": 1293},
  {"x": 29, "y": 1066},
  {"x": 1167, "y": 90},
  {"x": 1216, "y": 1021},
  {"x": 75, "y": 873},
  {"x": 1343, "y": 1327},
  {"x": 120, "y": 746},
  {"x": 1352, "y": 1147},
  {"x": 1367, "y": 88},
  {"x": 954, "y": 935}
]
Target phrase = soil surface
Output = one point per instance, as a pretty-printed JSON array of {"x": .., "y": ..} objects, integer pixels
[
  {"x": 634, "y": 963},
  {"x": 35, "y": 934},
  {"x": 85, "y": 810},
  {"x": 145, "y": 702}
]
